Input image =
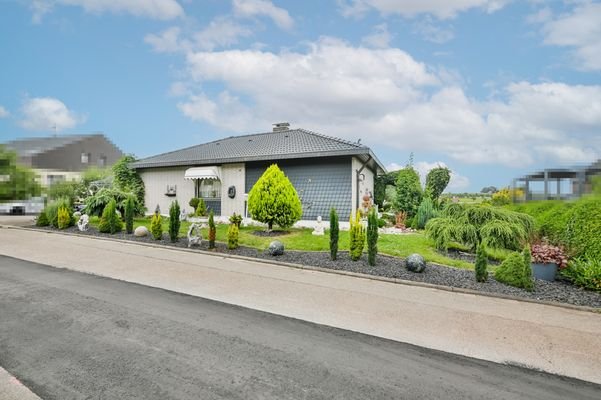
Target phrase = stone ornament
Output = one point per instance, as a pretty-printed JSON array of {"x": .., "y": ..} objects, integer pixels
[
  {"x": 141, "y": 231},
  {"x": 319, "y": 229},
  {"x": 83, "y": 223},
  {"x": 194, "y": 235},
  {"x": 415, "y": 263},
  {"x": 183, "y": 215},
  {"x": 276, "y": 248}
]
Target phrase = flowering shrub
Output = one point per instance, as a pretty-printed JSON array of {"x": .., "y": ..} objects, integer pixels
[{"x": 545, "y": 253}]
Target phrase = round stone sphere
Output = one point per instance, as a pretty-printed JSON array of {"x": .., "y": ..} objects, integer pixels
[
  {"x": 276, "y": 248},
  {"x": 415, "y": 263},
  {"x": 141, "y": 231}
]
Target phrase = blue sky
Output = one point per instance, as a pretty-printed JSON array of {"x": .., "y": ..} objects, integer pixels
[{"x": 491, "y": 88}]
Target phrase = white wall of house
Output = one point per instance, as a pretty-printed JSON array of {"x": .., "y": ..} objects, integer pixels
[
  {"x": 232, "y": 175},
  {"x": 47, "y": 177},
  {"x": 366, "y": 185},
  {"x": 156, "y": 181}
]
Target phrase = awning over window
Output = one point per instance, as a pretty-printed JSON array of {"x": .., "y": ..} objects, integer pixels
[{"x": 202, "y": 173}]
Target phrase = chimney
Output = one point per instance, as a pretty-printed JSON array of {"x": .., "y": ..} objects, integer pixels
[{"x": 281, "y": 127}]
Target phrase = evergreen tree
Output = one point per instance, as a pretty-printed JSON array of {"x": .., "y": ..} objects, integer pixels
[
  {"x": 356, "y": 236},
  {"x": 212, "y": 230},
  {"x": 174, "y": 222},
  {"x": 273, "y": 200},
  {"x": 409, "y": 191},
  {"x": 436, "y": 182},
  {"x": 110, "y": 221},
  {"x": 232, "y": 236},
  {"x": 130, "y": 205},
  {"x": 334, "y": 233},
  {"x": 372, "y": 236},
  {"x": 481, "y": 264},
  {"x": 156, "y": 226}
]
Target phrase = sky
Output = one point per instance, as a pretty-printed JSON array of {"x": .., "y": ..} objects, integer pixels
[{"x": 493, "y": 89}]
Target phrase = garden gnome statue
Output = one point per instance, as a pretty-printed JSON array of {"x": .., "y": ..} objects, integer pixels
[{"x": 319, "y": 228}]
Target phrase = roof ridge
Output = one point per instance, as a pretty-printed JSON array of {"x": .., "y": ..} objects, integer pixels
[{"x": 336, "y": 139}]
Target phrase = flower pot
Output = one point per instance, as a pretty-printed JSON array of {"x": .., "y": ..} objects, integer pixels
[{"x": 546, "y": 271}]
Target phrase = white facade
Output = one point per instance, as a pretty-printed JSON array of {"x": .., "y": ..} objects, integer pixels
[
  {"x": 156, "y": 183},
  {"x": 233, "y": 175}
]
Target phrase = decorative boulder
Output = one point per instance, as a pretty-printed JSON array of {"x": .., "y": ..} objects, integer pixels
[
  {"x": 276, "y": 248},
  {"x": 141, "y": 231},
  {"x": 415, "y": 263},
  {"x": 83, "y": 223},
  {"x": 194, "y": 235}
]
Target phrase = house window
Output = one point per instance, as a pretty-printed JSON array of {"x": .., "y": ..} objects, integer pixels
[
  {"x": 85, "y": 158},
  {"x": 52, "y": 179},
  {"x": 208, "y": 188},
  {"x": 102, "y": 161}
]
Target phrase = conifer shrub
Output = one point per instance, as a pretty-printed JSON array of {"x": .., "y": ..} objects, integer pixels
[
  {"x": 273, "y": 200},
  {"x": 481, "y": 264},
  {"x": 53, "y": 207},
  {"x": 63, "y": 218},
  {"x": 409, "y": 191},
  {"x": 516, "y": 271},
  {"x": 212, "y": 230},
  {"x": 372, "y": 236},
  {"x": 585, "y": 273},
  {"x": 201, "y": 208},
  {"x": 334, "y": 233},
  {"x": 110, "y": 221},
  {"x": 425, "y": 212},
  {"x": 232, "y": 236},
  {"x": 130, "y": 205},
  {"x": 174, "y": 222},
  {"x": 156, "y": 226},
  {"x": 356, "y": 237},
  {"x": 42, "y": 219}
]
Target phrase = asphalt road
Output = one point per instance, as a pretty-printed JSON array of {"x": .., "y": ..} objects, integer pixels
[{"x": 69, "y": 335}]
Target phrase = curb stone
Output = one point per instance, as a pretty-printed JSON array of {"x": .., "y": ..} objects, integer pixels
[{"x": 325, "y": 270}]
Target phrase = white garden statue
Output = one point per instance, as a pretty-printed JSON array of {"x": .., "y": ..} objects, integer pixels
[
  {"x": 83, "y": 223},
  {"x": 194, "y": 236},
  {"x": 319, "y": 229}
]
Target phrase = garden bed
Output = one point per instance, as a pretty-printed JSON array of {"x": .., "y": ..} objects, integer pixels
[{"x": 389, "y": 267}]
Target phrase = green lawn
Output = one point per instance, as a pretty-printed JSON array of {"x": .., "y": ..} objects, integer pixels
[{"x": 302, "y": 239}]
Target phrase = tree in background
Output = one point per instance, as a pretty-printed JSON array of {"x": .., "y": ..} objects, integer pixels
[
  {"x": 127, "y": 179},
  {"x": 273, "y": 199},
  {"x": 16, "y": 182},
  {"x": 334, "y": 233},
  {"x": 437, "y": 181},
  {"x": 408, "y": 190}
]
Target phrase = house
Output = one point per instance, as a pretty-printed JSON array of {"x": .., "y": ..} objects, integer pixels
[
  {"x": 59, "y": 158},
  {"x": 326, "y": 172},
  {"x": 558, "y": 183}
]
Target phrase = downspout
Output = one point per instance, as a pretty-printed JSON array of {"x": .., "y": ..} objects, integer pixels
[{"x": 357, "y": 182}]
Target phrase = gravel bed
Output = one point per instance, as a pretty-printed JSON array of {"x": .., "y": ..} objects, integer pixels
[{"x": 389, "y": 267}]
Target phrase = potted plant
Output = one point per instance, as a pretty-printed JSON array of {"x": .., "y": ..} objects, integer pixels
[{"x": 546, "y": 260}]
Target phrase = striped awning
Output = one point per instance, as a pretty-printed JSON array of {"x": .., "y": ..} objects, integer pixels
[{"x": 202, "y": 173}]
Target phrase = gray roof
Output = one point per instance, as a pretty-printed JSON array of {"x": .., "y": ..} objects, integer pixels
[
  {"x": 294, "y": 143},
  {"x": 31, "y": 146}
]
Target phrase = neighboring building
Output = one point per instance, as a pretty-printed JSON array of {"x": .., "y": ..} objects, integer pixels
[
  {"x": 326, "y": 172},
  {"x": 59, "y": 158},
  {"x": 558, "y": 183}
]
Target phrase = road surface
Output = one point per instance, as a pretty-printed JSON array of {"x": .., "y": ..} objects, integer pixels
[{"x": 68, "y": 335}]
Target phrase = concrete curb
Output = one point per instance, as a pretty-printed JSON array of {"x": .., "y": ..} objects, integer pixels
[
  {"x": 325, "y": 270},
  {"x": 13, "y": 389}
]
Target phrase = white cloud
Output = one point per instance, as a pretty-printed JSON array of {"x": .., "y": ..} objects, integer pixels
[
  {"x": 458, "y": 182},
  {"x": 3, "y": 112},
  {"x": 388, "y": 98},
  {"x": 45, "y": 113},
  {"x": 156, "y": 9},
  {"x": 254, "y": 8},
  {"x": 431, "y": 31},
  {"x": 168, "y": 41},
  {"x": 441, "y": 9},
  {"x": 380, "y": 37},
  {"x": 579, "y": 30}
]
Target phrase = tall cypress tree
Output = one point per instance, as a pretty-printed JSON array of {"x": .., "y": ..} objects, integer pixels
[{"x": 334, "y": 232}]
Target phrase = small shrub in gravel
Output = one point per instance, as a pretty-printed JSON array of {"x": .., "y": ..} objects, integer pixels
[
  {"x": 156, "y": 226},
  {"x": 232, "y": 236},
  {"x": 585, "y": 273},
  {"x": 42, "y": 219},
  {"x": 356, "y": 236},
  {"x": 110, "y": 221},
  {"x": 334, "y": 232},
  {"x": 212, "y": 230},
  {"x": 64, "y": 219},
  {"x": 481, "y": 264},
  {"x": 515, "y": 272},
  {"x": 372, "y": 236},
  {"x": 174, "y": 222}
]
